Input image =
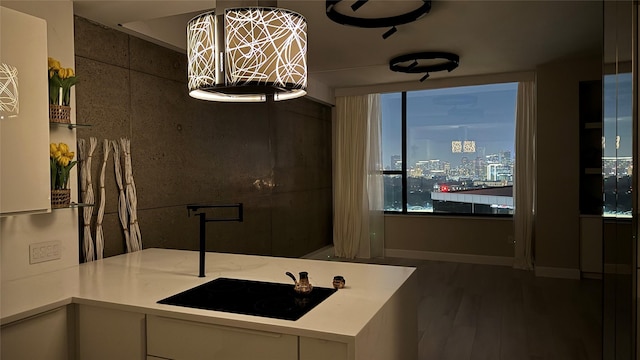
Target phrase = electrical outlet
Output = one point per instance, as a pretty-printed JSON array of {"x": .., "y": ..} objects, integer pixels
[{"x": 44, "y": 251}]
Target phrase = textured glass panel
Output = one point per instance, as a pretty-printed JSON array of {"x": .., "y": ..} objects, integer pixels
[
  {"x": 265, "y": 46},
  {"x": 201, "y": 51},
  {"x": 8, "y": 89}
]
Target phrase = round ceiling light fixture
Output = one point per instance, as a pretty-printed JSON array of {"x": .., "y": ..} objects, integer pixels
[
  {"x": 410, "y": 63},
  {"x": 247, "y": 54},
  {"x": 391, "y": 21}
]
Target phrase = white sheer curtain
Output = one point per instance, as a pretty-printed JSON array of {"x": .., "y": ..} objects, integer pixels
[
  {"x": 525, "y": 175},
  {"x": 358, "y": 226},
  {"x": 375, "y": 189}
]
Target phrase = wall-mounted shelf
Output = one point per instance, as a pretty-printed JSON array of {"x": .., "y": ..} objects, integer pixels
[
  {"x": 74, "y": 205},
  {"x": 70, "y": 126},
  {"x": 80, "y": 205}
]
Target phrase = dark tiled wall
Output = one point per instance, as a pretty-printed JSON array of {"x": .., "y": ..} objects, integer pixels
[{"x": 274, "y": 158}]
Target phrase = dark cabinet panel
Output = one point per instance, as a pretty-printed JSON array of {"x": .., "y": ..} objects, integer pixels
[{"x": 590, "y": 113}]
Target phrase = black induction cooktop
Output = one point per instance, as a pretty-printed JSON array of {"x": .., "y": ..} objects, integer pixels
[{"x": 249, "y": 297}]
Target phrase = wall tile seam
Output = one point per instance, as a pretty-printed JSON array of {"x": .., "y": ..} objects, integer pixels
[
  {"x": 131, "y": 117},
  {"x": 159, "y": 77},
  {"x": 304, "y": 115},
  {"x": 315, "y": 188},
  {"x": 154, "y": 208},
  {"x": 104, "y": 27},
  {"x": 129, "y": 37},
  {"x": 168, "y": 206},
  {"x": 102, "y": 62}
]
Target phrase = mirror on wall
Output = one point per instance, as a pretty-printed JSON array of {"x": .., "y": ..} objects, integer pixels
[{"x": 618, "y": 149}]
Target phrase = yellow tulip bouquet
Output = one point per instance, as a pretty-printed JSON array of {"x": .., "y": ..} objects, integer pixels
[
  {"x": 60, "y": 82},
  {"x": 61, "y": 160}
]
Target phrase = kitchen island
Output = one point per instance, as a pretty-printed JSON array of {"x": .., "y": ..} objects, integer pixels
[{"x": 116, "y": 300}]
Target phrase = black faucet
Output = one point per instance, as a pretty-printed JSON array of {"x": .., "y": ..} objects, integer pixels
[{"x": 203, "y": 220}]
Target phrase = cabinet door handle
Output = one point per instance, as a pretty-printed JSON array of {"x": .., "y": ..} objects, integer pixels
[{"x": 221, "y": 327}]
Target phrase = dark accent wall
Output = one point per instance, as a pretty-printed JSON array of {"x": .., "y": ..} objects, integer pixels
[{"x": 275, "y": 158}]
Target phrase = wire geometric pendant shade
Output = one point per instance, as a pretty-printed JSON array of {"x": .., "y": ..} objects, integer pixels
[
  {"x": 9, "y": 104},
  {"x": 201, "y": 51},
  {"x": 247, "y": 54}
]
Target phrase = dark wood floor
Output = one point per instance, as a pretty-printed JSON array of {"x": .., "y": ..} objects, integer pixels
[{"x": 470, "y": 311}]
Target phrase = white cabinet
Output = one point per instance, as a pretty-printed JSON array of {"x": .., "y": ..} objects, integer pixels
[
  {"x": 179, "y": 339},
  {"x": 24, "y": 137},
  {"x": 318, "y": 349},
  {"x": 43, "y": 336},
  {"x": 110, "y": 334}
]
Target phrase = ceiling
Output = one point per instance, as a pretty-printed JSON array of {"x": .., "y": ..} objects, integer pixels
[{"x": 489, "y": 36}]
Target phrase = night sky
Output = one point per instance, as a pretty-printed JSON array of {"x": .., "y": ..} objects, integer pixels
[
  {"x": 617, "y": 115},
  {"x": 484, "y": 114}
]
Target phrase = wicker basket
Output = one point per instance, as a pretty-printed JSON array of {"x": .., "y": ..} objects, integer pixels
[
  {"x": 60, "y": 114},
  {"x": 60, "y": 198}
]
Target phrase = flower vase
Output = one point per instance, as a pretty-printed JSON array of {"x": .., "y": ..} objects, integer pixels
[
  {"x": 59, "y": 114},
  {"x": 60, "y": 198}
]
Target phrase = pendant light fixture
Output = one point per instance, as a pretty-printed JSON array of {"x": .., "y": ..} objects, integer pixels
[
  {"x": 247, "y": 54},
  {"x": 447, "y": 61},
  {"x": 381, "y": 22}
]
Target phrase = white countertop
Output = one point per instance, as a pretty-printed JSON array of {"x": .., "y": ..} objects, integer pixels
[{"x": 136, "y": 281}]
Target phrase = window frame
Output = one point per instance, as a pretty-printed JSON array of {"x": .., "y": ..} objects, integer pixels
[{"x": 403, "y": 171}]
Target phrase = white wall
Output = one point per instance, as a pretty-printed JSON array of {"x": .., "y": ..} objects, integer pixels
[
  {"x": 557, "y": 226},
  {"x": 17, "y": 232},
  {"x": 481, "y": 240}
]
